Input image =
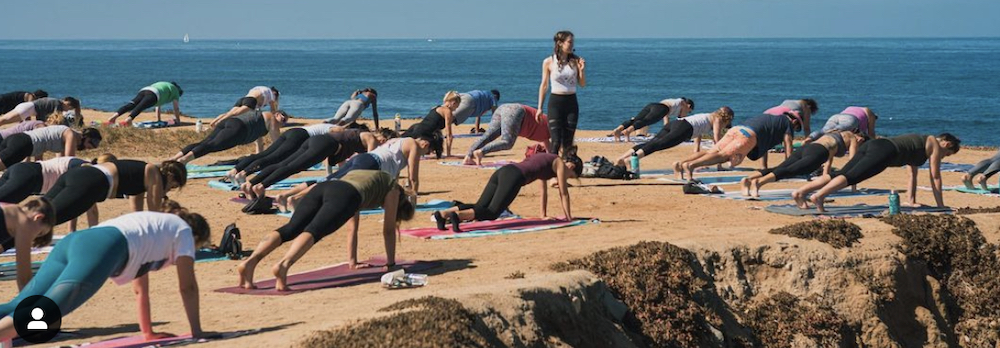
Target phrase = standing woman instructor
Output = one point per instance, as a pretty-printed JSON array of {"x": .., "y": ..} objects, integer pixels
[{"x": 563, "y": 72}]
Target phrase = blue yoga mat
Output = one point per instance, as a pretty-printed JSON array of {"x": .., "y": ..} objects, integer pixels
[
  {"x": 849, "y": 211},
  {"x": 432, "y": 205},
  {"x": 281, "y": 185},
  {"x": 204, "y": 172},
  {"x": 786, "y": 194}
]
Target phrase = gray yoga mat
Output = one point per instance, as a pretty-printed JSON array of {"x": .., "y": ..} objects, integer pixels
[
  {"x": 786, "y": 194},
  {"x": 850, "y": 210}
]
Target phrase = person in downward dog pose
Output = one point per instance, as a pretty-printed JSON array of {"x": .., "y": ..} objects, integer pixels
[
  {"x": 875, "y": 156},
  {"x": 652, "y": 113},
  {"x": 806, "y": 160},
  {"x": 326, "y": 208},
  {"x": 507, "y": 181},
  {"x": 124, "y": 249},
  {"x": 509, "y": 121}
]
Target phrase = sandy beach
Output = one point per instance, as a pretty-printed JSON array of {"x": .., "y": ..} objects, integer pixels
[{"x": 630, "y": 211}]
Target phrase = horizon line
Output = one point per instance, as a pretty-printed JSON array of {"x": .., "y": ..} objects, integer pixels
[{"x": 515, "y": 38}]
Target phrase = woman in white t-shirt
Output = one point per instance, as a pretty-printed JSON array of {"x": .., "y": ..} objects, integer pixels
[{"x": 124, "y": 249}]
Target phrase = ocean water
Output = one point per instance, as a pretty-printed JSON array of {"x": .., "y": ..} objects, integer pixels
[{"x": 915, "y": 85}]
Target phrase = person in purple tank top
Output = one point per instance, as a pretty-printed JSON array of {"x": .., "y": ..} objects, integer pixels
[
  {"x": 507, "y": 181},
  {"x": 852, "y": 119}
]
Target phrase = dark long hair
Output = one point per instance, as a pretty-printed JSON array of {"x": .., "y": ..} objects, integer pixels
[{"x": 562, "y": 58}]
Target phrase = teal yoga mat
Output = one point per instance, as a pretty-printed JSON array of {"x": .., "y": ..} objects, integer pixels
[
  {"x": 281, "y": 185},
  {"x": 850, "y": 210}
]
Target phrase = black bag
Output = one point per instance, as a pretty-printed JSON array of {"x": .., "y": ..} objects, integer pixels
[
  {"x": 260, "y": 205},
  {"x": 601, "y": 167},
  {"x": 232, "y": 244}
]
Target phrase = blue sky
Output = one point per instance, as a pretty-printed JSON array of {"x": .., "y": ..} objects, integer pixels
[{"x": 319, "y": 19}]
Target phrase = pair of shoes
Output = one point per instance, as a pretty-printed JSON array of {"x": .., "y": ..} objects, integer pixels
[
  {"x": 260, "y": 205},
  {"x": 441, "y": 221}
]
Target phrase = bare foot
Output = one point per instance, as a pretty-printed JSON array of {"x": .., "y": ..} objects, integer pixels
[
  {"x": 231, "y": 176},
  {"x": 817, "y": 200},
  {"x": 688, "y": 170},
  {"x": 755, "y": 189},
  {"x": 967, "y": 181},
  {"x": 745, "y": 186},
  {"x": 258, "y": 190},
  {"x": 245, "y": 187},
  {"x": 478, "y": 155},
  {"x": 240, "y": 178},
  {"x": 678, "y": 170},
  {"x": 280, "y": 277},
  {"x": 245, "y": 269},
  {"x": 800, "y": 200},
  {"x": 468, "y": 161},
  {"x": 981, "y": 180},
  {"x": 617, "y": 133},
  {"x": 282, "y": 202}
]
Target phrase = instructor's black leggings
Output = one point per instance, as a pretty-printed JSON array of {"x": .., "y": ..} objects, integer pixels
[
  {"x": 227, "y": 134},
  {"x": 803, "y": 161},
  {"x": 15, "y": 148},
  {"x": 314, "y": 151},
  {"x": 20, "y": 181},
  {"x": 322, "y": 211},
  {"x": 873, "y": 157},
  {"x": 673, "y": 134},
  {"x": 76, "y": 191},
  {"x": 564, "y": 112},
  {"x": 499, "y": 193},
  {"x": 142, "y": 101},
  {"x": 280, "y": 149},
  {"x": 652, "y": 113}
]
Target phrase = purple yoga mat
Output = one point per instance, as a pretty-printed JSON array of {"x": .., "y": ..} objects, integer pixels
[
  {"x": 331, "y": 277},
  {"x": 494, "y": 225}
]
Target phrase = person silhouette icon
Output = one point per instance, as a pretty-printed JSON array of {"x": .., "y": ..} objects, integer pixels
[{"x": 37, "y": 324}]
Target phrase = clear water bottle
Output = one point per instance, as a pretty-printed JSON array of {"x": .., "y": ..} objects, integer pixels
[
  {"x": 197, "y": 126},
  {"x": 893, "y": 202},
  {"x": 399, "y": 123},
  {"x": 635, "y": 165}
]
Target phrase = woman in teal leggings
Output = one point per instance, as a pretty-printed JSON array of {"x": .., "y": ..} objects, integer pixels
[{"x": 84, "y": 260}]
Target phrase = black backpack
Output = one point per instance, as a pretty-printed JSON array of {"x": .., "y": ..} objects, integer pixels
[
  {"x": 231, "y": 244},
  {"x": 601, "y": 167}
]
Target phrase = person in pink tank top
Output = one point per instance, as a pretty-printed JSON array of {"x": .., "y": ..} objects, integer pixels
[
  {"x": 509, "y": 121},
  {"x": 801, "y": 108}
]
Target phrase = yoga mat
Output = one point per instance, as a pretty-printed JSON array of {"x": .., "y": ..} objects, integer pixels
[
  {"x": 209, "y": 255},
  {"x": 152, "y": 124},
  {"x": 720, "y": 180},
  {"x": 993, "y": 191},
  {"x": 709, "y": 169},
  {"x": 786, "y": 194},
  {"x": 495, "y": 227},
  {"x": 339, "y": 275},
  {"x": 202, "y": 172},
  {"x": 443, "y": 157},
  {"x": 139, "y": 341},
  {"x": 8, "y": 270},
  {"x": 634, "y": 140},
  {"x": 35, "y": 251},
  {"x": 467, "y": 135},
  {"x": 950, "y": 167},
  {"x": 432, "y": 205},
  {"x": 486, "y": 164},
  {"x": 281, "y": 185},
  {"x": 850, "y": 210}
]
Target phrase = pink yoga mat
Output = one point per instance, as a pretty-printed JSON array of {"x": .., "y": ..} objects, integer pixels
[
  {"x": 486, "y": 226},
  {"x": 486, "y": 164},
  {"x": 331, "y": 277},
  {"x": 139, "y": 341}
]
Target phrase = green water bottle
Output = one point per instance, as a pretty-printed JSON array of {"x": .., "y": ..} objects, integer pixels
[
  {"x": 893, "y": 202},
  {"x": 635, "y": 165}
]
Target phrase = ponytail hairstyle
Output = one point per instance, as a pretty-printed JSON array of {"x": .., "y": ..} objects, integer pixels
[
  {"x": 173, "y": 171},
  {"x": 813, "y": 107},
  {"x": 372, "y": 91},
  {"x": 387, "y": 133},
  {"x": 89, "y": 135},
  {"x": 180, "y": 92},
  {"x": 200, "y": 229},
  {"x": 276, "y": 93},
  {"x": 452, "y": 96},
  {"x": 570, "y": 156},
  {"x": 725, "y": 115},
  {"x": 105, "y": 158},
  {"x": 43, "y": 207},
  {"x": 39, "y": 94},
  {"x": 56, "y": 119},
  {"x": 562, "y": 58},
  {"x": 436, "y": 141},
  {"x": 689, "y": 102},
  {"x": 406, "y": 208}
]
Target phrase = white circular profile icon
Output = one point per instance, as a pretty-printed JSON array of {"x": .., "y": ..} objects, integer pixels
[{"x": 37, "y": 324}]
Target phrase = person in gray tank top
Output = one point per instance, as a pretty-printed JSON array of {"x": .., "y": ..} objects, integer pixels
[
  {"x": 59, "y": 139},
  {"x": 875, "y": 156},
  {"x": 234, "y": 131},
  {"x": 41, "y": 109}
]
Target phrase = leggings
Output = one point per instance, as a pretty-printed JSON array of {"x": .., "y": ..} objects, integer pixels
[
  {"x": 249, "y": 102},
  {"x": 649, "y": 115},
  {"x": 873, "y": 157},
  {"x": 227, "y": 134},
  {"x": 673, "y": 134},
  {"x": 20, "y": 181},
  {"x": 77, "y": 267},
  {"x": 803, "y": 161},
  {"x": 563, "y": 115},
  {"x": 322, "y": 211},
  {"x": 285, "y": 146},
  {"x": 362, "y": 161},
  {"x": 839, "y": 123},
  {"x": 506, "y": 125},
  {"x": 499, "y": 193},
  {"x": 76, "y": 191},
  {"x": 348, "y": 112},
  {"x": 144, "y": 100},
  {"x": 15, "y": 148},
  {"x": 315, "y": 150},
  {"x": 987, "y": 167}
]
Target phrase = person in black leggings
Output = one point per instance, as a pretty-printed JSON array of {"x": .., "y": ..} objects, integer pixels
[
  {"x": 806, "y": 160},
  {"x": 563, "y": 72},
  {"x": 326, "y": 208},
  {"x": 438, "y": 118},
  {"x": 24, "y": 179},
  {"x": 506, "y": 183},
  {"x": 81, "y": 188},
  {"x": 876, "y": 156},
  {"x": 157, "y": 95},
  {"x": 231, "y": 132},
  {"x": 10, "y": 100}
]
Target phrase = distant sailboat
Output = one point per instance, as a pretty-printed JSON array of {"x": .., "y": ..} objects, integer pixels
[{"x": 186, "y": 38}]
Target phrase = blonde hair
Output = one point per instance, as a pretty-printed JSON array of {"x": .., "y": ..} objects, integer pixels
[
  {"x": 452, "y": 96},
  {"x": 725, "y": 114},
  {"x": 105, "y": 158},
  {"x": 55, "y": 119}
]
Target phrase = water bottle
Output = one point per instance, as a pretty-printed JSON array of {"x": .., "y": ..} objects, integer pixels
[
  {"x": 398, "y": 123},
  {"x": 635, "y": 165},
  {"x": 197, "y": 126},
  {"x": 893, "y": 202},
  {"x": 414, "y": 279}
]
